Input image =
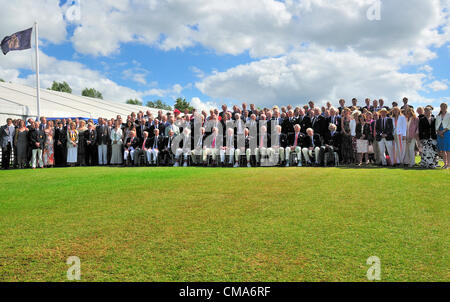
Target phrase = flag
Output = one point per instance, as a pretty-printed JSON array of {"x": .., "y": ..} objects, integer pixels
[{"x": 18, "y": 41}]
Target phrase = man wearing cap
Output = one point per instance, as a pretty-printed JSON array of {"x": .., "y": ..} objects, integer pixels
[{"x": 385, "y": 135}]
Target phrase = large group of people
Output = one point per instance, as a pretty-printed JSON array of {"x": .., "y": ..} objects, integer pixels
[{"x": 239, "y": 137}]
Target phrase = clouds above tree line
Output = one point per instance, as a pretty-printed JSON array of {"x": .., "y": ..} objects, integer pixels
[{"x": 309, "y": 49}]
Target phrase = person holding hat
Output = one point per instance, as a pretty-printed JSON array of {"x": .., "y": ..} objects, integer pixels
[{"x": 385, "y": 135}]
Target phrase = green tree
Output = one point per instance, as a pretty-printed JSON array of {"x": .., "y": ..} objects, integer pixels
[
  {"x": 158, "y": 104},
  {"x": 63, "y": 87},
  {"x": 182, "y": 104},
  {"x": 134, "y": 102},
  {"x": 91, "y": 92}
]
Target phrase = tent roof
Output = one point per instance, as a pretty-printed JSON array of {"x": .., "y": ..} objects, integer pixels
[{"x": 20, "y": 100}]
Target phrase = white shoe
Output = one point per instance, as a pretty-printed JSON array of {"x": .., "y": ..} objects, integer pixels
[
  {"x": 236, "y": 165},
  {"x": 185, "y": 165},
  {"x": 287, "y": 164},
  {"x": 249, "y": 166},
  {"x": 176, "y": 164},
  {"x": 299, "y": 164}
]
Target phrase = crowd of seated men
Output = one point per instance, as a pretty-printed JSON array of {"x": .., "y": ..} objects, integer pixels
[{"x": 237, "y": 137}]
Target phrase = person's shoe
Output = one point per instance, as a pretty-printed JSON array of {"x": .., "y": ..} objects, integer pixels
[
  {"x": 248, "y": 165},
  {"x": 299, "y": 164},
  {"x": 176, "y": 164},
  {"x": 287, "y": 164},
  {"x": 185, "y": 164},
  {"x": 236, "y": 165}
]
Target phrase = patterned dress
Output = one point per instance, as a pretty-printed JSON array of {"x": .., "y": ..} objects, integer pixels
[
  {"x": 347, "y": 144},
  {"x": 48, "y": 155},
  {"x": 429, "y": 158}
]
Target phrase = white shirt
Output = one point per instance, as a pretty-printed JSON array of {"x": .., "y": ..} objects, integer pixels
[
  {"x": 445, "y": 121},
  {"x": 400, "y": 129}
]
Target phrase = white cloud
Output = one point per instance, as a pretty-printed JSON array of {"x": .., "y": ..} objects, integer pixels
[
  {"x": 313, "y": 74},
  {"x": 136, "y": 74},
  {"x": 265, "y": 27},
  {"x": 198, "y": 104},
  {"x": 438, "y": 86},
  {"x": 20, "y": 14},
  {"x": 426, "y": 68}
]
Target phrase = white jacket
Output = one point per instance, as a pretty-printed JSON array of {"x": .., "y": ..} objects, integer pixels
[
  {"x": 445, "y": 122},
  {"x": 401, "y": 127}
]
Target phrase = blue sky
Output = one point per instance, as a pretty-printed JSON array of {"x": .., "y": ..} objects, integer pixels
[{"x": 259, "y": 51}]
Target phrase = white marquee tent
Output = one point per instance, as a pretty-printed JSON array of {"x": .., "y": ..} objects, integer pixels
[{"x": 19, "y": 101}]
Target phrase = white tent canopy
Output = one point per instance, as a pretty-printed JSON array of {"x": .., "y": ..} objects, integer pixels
[{"x": 19, "y": 101}]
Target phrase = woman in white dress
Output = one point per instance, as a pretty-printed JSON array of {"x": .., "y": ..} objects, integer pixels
[
  {"x": 116, "y": 141},
  {"x": 400, "y": 126},
  {"x": 72, "y": 144}
]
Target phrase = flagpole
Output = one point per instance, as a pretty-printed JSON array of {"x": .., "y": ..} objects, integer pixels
[{"x": 36, "y": 35}]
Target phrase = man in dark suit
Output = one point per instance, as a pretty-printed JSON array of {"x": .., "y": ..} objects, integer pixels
[
  {"x": 141, "y": 128},
  {"x": 130, "y": 146},
  {"x": 156, "y": 125},
  {"x": 36, "y": 137},
  {"x": 385, "y": 135},
  {"x": 368, "y": 106},
  {"x": 311, "y": 145},
  {"x": 341, "y": 106},
  {"x": 289, "y": 122},
  {"x": 319, "y": 123},
  {"x": 91, "y": 145},
  {"x": 355, "y": 104},
  {"x": 295, "y": 143},
  {"x": 304, "y": 120},
  {"x": 334, "y": 119},
  {"x": 103, "y": 137},
  {"x": 143, "y": 149},
  {"x": 60, "y": 145},
  {"x": 167, "y": 143},
  {"x": 156, "y": 144},
  {"x": 405, "y": 104},
  {"x": 331, "y": 143}
]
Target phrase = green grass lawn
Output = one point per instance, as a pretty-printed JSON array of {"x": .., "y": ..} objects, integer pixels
[{"x": 201, "y": 224}]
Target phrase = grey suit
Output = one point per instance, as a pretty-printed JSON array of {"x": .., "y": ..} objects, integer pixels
[{"x": 7, "y": 141}]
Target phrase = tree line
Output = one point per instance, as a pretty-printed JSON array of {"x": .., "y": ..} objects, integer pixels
[{"x": 181, "y": 103}]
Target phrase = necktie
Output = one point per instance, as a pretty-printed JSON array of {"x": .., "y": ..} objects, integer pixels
[
  {"x": 143, "y": 144},
  {"x": 261, "y": 144},
  {"x": 214, "y": 142},
  {"x": 312, "y": 141},
  {"x": 155, "y": 144}
]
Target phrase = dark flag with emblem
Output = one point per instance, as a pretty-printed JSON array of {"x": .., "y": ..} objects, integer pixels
[{"x": 18, "y": 41}]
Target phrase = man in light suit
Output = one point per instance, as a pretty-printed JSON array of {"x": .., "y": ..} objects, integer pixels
[
  {"x": 7, "y": 133},
  {"x": 171, "y": 126}
]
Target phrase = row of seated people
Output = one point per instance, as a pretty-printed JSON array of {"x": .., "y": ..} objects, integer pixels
[{"x": 264, "y": 149}]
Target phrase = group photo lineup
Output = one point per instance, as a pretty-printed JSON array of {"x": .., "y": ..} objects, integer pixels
[{"x": 215, "y": 150}]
